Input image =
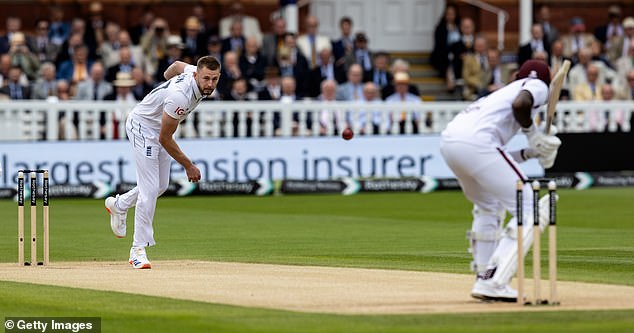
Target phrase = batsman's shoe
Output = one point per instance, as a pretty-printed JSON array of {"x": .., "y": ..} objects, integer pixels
[
  {"x": 138, "y": 258},
  {"x": 486, "y": 290},
  {"x": 117, "y": 218}
]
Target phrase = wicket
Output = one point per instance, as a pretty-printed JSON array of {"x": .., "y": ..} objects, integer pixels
[
  {"x": 45, "y": 217},
  {"x": 552, "y": 244}
]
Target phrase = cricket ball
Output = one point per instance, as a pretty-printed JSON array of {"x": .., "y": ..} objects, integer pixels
[{"x": 347, "y": 134}]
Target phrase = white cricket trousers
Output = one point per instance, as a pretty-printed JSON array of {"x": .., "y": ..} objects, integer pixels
[
  {"x": 488, "y": 177},
  {"x": 152, "y": 173}
]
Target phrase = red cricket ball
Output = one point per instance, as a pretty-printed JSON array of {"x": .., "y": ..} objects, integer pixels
[{"x": 347, "y": 134}]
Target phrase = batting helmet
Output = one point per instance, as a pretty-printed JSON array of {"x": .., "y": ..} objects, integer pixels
[{"x": 535, "y": 69}]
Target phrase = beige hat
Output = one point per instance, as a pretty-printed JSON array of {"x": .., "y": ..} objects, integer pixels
[
  {"x": 401, "y": 77},
  {"x": 628, "y": 22},
  {"x": 124, "y": 80},
  {"x": 175, "y": 40}
]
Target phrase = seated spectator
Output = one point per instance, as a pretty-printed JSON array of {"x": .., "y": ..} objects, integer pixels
[
  {"x": 14, "y": 25},
  {"x": 399, "y": 66},
  {"x": 289, "y": 95},
  {"x": 402, "y": 95},
  {"x": 578, "y": 72},
  {"x": 598, "y": 55},
  {"x": 352, "y": 90},
  {"x": 457, "y": 51},
  {"x": 361, "y": 52},
  {"x": 627, "y": 91},
  {"x": 23, "y": 57},
  {"x": 292, "y": 62},
  {"x": 214, "y": 47},
  {"x": 379, "y": 74},
  {"x": 235, "y": 41},
  {"x": 328, "y": 70},
  {"x": 610, "y": 31},
  {"x": 194, "y": 38},
  {"x": 499, "y": 75},
  {"x": 145, "y": 25},
  {"x": 174, "y": 53},
  {"x": 274, "y": 41},
  {"x": 370, "y": 96},
  {"x": 311, "y": 43},
  {"x": 125, "y": 64},
  {"x": 624, "y": 64},
  {"x": 612, "y": 119},
  {"x": 250, "y": 25},
  {"x": 538, "y": 43},
  {"x": 41, "y": 45},
  {"x": 591, "y": 88},
  {"x": 556, "y": 58},
  {"x": 123, "y": 93},
  {"x": 330, "y": 120},
  {"x": 59, "y": 30},
  {"x": 543, "y": 17},
  {"x": 576, "y": 39},
  {"x": 76, "y": 69},
  {"x": 154, "y": 45},
  {"x": 110, "y": 46},
  {"x": 13, "y": 88},
  {"x": 445, "y": 34},
  {"x": 619, "y": 45},
  {"x": 252, "y": 63},
  {"x": 475, "y": 71},
  {"x": 95, "y": 87},
  {"x": 95, "y": 27},
  {"x": 229, "y": 72},
  {"x": 46, "y": 85},
  {"x": 143, "y": 84},
  {"x": 342, "y": 47},
  {"x": 272, "y": 89},
  {"x": 5, "y": 66}
]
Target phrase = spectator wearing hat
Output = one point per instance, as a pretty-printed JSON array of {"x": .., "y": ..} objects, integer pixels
[
  {"x": 399, "y": 65},
  {"x": 612, "y": 29},
  {"x": 193, "y": 38},
  {"x": 311, "y": 42},
  {"x": 402, "y": 95},
  {"x": 620, "y": 45},
  {"x": 175, "y": 48},
  {"x": 123, "y": 94},
  {"x": 576, "y": 39}
]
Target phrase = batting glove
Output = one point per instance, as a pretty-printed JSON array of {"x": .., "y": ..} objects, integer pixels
[{"x": 541, "y": 143}]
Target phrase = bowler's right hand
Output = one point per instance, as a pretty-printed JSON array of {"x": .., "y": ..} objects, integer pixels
[{"x": 193, "y": 173}]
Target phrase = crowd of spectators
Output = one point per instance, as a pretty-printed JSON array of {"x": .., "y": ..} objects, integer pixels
[
  {"x": 602, "y": 57},
  {"x": 93, "y": 58}
]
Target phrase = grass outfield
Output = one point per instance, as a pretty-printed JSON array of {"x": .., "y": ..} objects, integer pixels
[{"x": 396, "y": 231}]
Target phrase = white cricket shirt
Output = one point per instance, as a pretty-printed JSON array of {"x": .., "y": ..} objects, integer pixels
[
  {"x": 177, "y": 97},
  {"x": 489, "y": 120}
]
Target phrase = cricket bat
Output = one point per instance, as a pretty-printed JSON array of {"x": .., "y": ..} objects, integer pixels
[{"x": 555, "y": 90}]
